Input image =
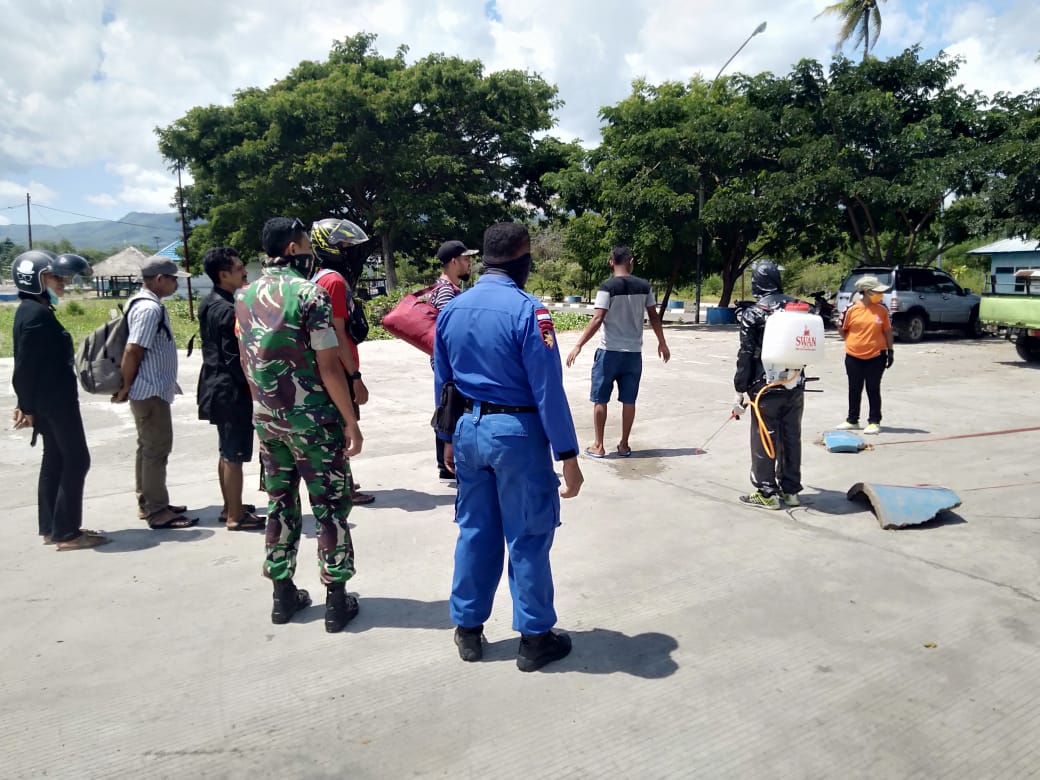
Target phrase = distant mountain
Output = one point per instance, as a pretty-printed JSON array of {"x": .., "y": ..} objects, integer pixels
[{"x": 138, "y": 229}]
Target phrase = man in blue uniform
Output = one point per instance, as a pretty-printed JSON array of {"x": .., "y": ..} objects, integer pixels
[{"x": 497, "y": 345}]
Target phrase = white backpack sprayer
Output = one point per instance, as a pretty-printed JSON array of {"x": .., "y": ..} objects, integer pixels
[{"x": 792, "y": 340}]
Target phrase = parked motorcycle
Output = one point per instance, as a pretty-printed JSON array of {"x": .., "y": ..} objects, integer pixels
[{"x": 826, "y": 308}]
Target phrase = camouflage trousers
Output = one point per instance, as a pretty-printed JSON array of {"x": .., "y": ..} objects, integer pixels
[{"x": 316, "y": 456}]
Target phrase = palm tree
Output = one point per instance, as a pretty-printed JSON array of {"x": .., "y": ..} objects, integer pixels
[{"x": 860, "y": 21}]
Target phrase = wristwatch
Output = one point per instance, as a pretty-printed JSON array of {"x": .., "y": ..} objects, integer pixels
[{"x": 355, "y": 376}]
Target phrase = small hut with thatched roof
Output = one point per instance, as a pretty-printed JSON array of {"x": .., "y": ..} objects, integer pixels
[{"x": 119, "y": 274}]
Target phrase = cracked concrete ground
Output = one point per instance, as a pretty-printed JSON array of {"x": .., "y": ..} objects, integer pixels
[{"x": 710, "y": 639}]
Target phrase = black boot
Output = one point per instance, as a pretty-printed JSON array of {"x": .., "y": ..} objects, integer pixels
[
  {"x": 288, "y": 600},
  {"x": 470, "y": 642},
  {"x": 537, "y": 650},
  {"x": 340, "y": 608}
]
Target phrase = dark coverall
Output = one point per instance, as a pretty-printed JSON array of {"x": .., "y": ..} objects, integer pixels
[
  {"x": 781, "y": 408},
  {"x": 45, "y": 382},
  {"x": 498, "y": 345}
]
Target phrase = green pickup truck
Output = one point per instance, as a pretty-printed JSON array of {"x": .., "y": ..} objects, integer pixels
[{"x": 1017, "y": 315}]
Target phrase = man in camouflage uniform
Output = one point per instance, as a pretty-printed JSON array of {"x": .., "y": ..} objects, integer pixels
[{"x": 304, "y": 419}]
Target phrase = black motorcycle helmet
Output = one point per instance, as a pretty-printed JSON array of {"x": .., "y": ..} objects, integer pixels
[
  {"x": 70, "y": 265},
  {"x": 333, "y": 241},
  {"x": 765, "y": 279},
  {"x": 28, "y": 269}
]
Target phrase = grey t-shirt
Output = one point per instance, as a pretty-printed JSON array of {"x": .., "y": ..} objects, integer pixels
[{"x": 626, "y": 299}]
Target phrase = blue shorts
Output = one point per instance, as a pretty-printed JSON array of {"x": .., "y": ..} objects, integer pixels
[
  {"x": 235, "y": 441},
  {"x": 609, "y": 367}
]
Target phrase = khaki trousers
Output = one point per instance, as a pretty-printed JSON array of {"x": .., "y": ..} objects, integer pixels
[{"x": 154, "y": 444}]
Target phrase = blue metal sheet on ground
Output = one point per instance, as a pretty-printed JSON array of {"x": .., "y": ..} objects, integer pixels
[
  {"x": 843, "y": 441},
  {"x": 900, "y": 505}
]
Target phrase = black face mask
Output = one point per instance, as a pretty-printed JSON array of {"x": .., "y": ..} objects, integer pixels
[
  {"x": 518, "y": 269},
  {"x": 304, "y": 264}
]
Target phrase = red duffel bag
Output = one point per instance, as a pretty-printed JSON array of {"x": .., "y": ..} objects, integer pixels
[{"x": 414, "y": 320}]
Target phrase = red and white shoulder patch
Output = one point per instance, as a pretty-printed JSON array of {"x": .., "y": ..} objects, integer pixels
[{"x": 545, "y": 326}]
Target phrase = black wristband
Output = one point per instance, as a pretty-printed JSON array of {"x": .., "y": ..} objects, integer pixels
[
  {"x": 568, "y": 454},
  {"x": 355, "y": 376}
]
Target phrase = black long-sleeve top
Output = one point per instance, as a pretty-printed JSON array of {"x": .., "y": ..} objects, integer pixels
[{"x": 44, "y": 371}]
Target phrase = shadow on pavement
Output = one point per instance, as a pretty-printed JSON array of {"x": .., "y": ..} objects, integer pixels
[
  {"x": 408, "y": 500},
  {"x": 830, "y": 502},
  {"x": 134, "y": 539},
  {"x": 659, "y": 453},
  {"x": 945, "y": 517},
  {"x": 382, "y": 612},
  {"x": 887, "y": 429},
  {"x": 602, "y": 651}
]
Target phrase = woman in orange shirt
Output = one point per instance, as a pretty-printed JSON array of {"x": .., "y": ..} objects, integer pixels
[{"x": 867, "y": 329}]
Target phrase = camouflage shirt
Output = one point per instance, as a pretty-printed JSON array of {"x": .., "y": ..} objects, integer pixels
[{"x": 281, "y": 319}]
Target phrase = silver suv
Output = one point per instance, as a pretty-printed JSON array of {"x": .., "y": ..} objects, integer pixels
[{"x": 919, "y": 299}]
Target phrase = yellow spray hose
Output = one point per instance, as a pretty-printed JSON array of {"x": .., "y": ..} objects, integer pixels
[{"x": 763, "y": 430}]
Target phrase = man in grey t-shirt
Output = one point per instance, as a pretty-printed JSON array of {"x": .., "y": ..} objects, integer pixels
[{"x": 621, "y": 303}]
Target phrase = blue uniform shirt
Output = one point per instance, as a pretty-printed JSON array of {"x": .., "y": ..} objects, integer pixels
[{"x": 498, "y": 345}]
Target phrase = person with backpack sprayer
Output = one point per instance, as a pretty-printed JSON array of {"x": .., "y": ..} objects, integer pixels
[
  {"x": 149, "y": 369},
  {"x": 45, "y": 384},
  {"x": 776, "y": 442}
]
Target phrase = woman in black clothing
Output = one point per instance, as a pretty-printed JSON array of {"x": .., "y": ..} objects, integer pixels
[{"x": 45, "y": 384}]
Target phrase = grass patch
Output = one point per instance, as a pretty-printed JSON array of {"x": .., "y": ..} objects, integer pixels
[{"x": 80, "y": 317}]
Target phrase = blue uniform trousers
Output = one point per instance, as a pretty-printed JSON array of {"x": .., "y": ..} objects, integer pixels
[{"x": 507, "y": 489}]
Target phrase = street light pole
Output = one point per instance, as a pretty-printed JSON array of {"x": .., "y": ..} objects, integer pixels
[{"x": 700, "y": 179}]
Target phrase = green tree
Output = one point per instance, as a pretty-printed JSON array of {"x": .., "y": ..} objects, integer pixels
[
  {"x": 858, "y": 18},
  {"x": 415, "y": 154}
]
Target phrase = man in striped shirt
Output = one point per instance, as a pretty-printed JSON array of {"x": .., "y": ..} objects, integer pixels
[
  {"x": 149, "y": 382},
  {"x": 456, "y": 266}
]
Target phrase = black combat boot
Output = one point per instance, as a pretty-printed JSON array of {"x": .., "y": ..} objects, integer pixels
[
  {"x": 537, "y": 650},
  {"x": 288, "y": 600},
  {"x": 470, "y": 642},
  {"x": 340, "y": 607}
]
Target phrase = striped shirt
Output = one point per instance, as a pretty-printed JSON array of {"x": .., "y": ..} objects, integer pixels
[
  {"x": 157, "y": 374},
  {"x": 626, "y": 299},
  {"x": 443, "y": 291}
]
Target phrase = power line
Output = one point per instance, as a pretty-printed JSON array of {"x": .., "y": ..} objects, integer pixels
[
  {"x": 15, "y": 206},
  {"x": 103, "y": 219}
]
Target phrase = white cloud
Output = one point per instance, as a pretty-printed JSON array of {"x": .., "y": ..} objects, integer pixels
[
  {"x": 103, "y": 199},
  {"x": 12, "y": 192},
  {"x": 95, "y": 98}
]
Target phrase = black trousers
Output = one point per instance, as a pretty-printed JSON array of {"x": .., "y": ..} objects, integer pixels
[
  {"x": 63, "y": 472},
  {"x": 865, "y": 373},
  {"x": 782, "y": 414}
]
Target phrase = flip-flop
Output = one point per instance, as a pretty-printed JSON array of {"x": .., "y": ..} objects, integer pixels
[
  {"x": 177, "y": 521},
  {"x": 624, "y": 453},
  {"x": 248, "y": 508},
  {"x": 177, "y": 509},
  {"x": 249, "y": 522},
  {"x": 82, "y": 542},
  {"x": 591, "y": 454}
]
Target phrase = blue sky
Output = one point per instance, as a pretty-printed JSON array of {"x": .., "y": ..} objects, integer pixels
[{"x": 77, "y": 117}]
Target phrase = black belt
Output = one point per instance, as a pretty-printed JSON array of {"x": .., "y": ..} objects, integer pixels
[{"x": 488, "y": 408}]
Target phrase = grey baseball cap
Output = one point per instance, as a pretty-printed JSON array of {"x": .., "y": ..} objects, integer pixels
[{"x": 161, "y": 266}]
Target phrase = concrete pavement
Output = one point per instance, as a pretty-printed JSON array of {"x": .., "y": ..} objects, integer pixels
[{"x": 710, "y": 639}]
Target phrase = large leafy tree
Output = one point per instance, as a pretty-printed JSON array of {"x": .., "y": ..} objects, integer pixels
[
  {"x": 860, "y": 22},
  {"x": 878, "y": 148},
  {"x": 414, "y": 153}
]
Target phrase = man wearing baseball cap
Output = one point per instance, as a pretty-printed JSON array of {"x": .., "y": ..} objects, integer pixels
[
  {"x": 455, "y": 269},
  {"x": 149, "y": 382}
]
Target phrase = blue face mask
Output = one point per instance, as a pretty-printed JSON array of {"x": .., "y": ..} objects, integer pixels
[{"x": 55, "y": 300}]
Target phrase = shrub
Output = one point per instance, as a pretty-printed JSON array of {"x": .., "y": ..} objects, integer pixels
[{"x": 75, "y": 308}]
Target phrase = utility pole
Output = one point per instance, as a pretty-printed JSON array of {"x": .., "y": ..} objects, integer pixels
[
  {"x": 184, "y": 238},
  {"x": 28, "y": 218},
  {"x": 700, "y": 179}
]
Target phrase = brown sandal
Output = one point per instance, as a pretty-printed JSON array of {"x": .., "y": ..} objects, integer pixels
[
  {"x": 247, "y": 508},
  {"x": 84, "y": 541}
]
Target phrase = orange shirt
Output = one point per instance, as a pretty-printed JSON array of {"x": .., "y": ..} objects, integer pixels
[{"x": 866, "y": 330}]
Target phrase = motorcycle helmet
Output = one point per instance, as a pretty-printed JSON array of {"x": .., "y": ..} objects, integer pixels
[
  {"x": 28, "y": 268},
  {"x": 69, "y": 266},
  {"x": 332, "y": 240}
]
